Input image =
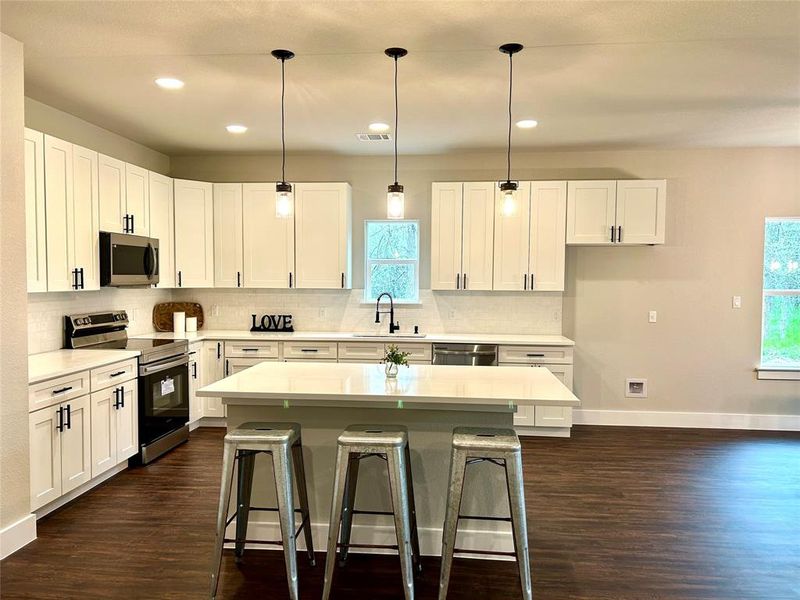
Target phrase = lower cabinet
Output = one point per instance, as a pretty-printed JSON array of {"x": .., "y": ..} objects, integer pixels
[
  {"x": 545, "y": 416},
  {"x": 213, "y": 369},
  {"x": 195, "y": 381},
  {"x": 60, "y": 443},
  {"x": 114, "y": 426}
]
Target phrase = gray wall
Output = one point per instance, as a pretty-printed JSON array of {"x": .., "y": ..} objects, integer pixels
[
  {"x": 700, "y": 355},
  {"x": 14, "y": 458}
]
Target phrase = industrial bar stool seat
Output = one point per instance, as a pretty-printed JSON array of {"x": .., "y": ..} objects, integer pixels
[
  {"x": 283, "y": 442},
  {"x": 390, "y": 443},
  {"x": 500, "y": 447}
]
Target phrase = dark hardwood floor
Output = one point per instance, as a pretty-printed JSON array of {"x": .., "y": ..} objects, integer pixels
[{"x": 613, "y": 513}]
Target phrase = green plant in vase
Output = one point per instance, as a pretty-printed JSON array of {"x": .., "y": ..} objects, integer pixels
[{"x": 393, "y": 359}]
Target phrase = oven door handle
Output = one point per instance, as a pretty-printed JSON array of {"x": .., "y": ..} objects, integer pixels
[{"x": 163, "y": 366}]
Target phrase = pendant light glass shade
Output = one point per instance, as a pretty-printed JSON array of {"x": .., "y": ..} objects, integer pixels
[
  {"x": 508, "y": 188},
  {"x": 284, "y": 199},
  {"x": 395, "y": 198}
]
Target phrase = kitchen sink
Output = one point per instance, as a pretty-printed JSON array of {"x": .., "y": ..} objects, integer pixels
[{"x": 392, "y": 336}]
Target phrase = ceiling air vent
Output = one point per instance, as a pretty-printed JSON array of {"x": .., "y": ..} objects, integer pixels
[{"x": 374, "y": 137}]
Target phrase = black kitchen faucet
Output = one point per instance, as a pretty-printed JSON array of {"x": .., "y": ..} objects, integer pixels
[{"x": 378, "y": 312}]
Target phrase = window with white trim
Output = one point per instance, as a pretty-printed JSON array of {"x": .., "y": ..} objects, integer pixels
[
  {"x": 780, "y": 329},
  {"x": 391, "y": 260}
]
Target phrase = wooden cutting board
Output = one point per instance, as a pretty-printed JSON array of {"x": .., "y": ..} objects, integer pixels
[{"x": 162, "y": 314}]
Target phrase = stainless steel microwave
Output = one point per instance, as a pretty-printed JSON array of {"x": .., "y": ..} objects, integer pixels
[{"x": 128, "y": 260}]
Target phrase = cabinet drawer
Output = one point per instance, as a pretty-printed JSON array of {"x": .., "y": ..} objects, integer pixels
[
  {"x": 251, "y": 349},
  {"x": 114, "y": 374},
  {"x": 361, "y": 350},
  {"x": 553, "y": 416},
  {"x": 53, "y": 391},
  {"x": 535, "y": 354},
  {"x": 310, "y": 350},
  {"x": 416, "y": 352}
]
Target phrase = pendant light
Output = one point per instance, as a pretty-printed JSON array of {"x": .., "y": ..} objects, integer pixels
[
  {"x": 395, "y": 198},
  {"x": 508, "y": 188},
  {"x": 284, "y": 202}
]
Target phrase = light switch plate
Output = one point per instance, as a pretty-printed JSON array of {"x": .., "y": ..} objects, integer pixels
[
  {"x": 652, "y": 316},
  {"x": 736, "y": 302}
]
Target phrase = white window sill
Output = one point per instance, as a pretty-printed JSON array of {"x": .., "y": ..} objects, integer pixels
[
  {"x": 776, "y": 372},
  {"x": 397, "y": 303}
]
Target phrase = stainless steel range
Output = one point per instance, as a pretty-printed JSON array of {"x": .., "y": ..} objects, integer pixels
[{"x": 163, "y": 377}]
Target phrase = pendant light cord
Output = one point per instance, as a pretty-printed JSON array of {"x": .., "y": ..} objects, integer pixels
[
  {"x": 396, "y": 110},
  {"x": 283, "y": 121},
  {"x": 510, "y": 88}
]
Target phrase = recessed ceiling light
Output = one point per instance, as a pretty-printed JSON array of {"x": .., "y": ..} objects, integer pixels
[
  {"x": 236, "y": 128},
  {"x": 169, "y": 83},
  {"x": 378, "y": 127},
  {"x": 527, "y": 124}
]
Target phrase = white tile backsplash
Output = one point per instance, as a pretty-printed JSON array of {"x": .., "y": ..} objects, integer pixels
[{"x": 46, "y": 312}]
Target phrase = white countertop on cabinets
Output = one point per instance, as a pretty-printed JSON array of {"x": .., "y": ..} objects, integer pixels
[
  {"x": 438, "y": 387},
  {"x": 48, "y": 365},
  {"x": 431, "y": 338}
]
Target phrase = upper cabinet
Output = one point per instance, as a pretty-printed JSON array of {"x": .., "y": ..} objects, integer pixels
[
  {"x": 616, "y": 212},
  {"x": 137, "y": 199},
  {"x": 511, "y": 241},
  {"x": 228, "y": 235},
  {"x": 85, "y": 217},
  {"x": 194, "y": 233},
  {"x": 322, "y": 235},
  {"x": 113, "y": 208},
  {"x": 162, "y": 226},
  {"x": 35, "y": 226},
  {"x": 268, "y": 240},
  {"x": 462, "y": 218}
]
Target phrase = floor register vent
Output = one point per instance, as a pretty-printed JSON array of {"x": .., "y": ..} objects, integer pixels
[{"x": 374, "y": 137}]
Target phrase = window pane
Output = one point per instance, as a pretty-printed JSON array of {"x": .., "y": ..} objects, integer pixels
[
  {"x": 781, "y": 334},
  {"x": 782, "y": 254},
  {"x": 399, "y": 280},
  {"x": 397, "y": 240}
]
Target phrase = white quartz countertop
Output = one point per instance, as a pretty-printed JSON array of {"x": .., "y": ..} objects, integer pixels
[
  {"x": 49, "y": 365},
  {"x": 418, "y": 386},
  {"x": 430, "y": 338}
]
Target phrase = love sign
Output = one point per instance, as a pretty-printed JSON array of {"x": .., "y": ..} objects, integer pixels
[{"x": 273, "y": 323}]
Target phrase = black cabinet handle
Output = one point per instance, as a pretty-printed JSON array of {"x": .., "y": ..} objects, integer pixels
[
  {"x": 179, "y": 279},
  {"x": 74, "y": 279},
  {"x": 194, "y": 370},
  {"x": 309, "y": 349},
  {"x": 238, "y": 279},
  {"x": 619, "y": 234},
  {"x": 133, "y": 227},
  {"x": 342, "y": 280},
  {"x": 116, "y": 398},
  {"x": 122, "y": 397},
  {"x": 458, "y": 281},
  {"x": 227, "y": 367},
  {"x": 69, "y": 417},
  {"x": 290, "y": 280},
  {"x": 219, "y": 350},
  {"x": 465, "y": 281},
  {"x": 125, "y": 224},
  {"x": 62, "y": 390},
  {"x": 60, "y": 421},
  {"x": 613, "y": 237},
  {"x": 532, "y": 282},
  {"x": 83, "y": 286},
  {"x": 117, "y": 374},
  {"x": 535, "y": 355},
  {"x": 525, "y": 281}
]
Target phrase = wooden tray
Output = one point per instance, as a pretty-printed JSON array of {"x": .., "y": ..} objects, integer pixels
[{"x": 162, "y": 314}]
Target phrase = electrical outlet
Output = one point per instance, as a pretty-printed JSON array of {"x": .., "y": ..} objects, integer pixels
[
  {"x": 652, "y": 316},
  {"x": 323, "y": 312},
  {"x": 636, "y": 388},
  {"x": 451, "y": 314},
  {"x": 215, "y": 310},
  {"x": 736, "y": 302}
]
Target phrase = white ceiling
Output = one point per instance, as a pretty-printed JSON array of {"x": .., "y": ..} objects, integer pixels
[{"x": 593, "y": 73}]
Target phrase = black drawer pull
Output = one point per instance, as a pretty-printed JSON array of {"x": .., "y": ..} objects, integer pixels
[
  {"x": 249, "y": 349},
  {"x": 309, "y": 349},
  {"x": 62, "y": 390},
  {"x": 117, "y": 374},
  {"x": 541, "y": 355}
]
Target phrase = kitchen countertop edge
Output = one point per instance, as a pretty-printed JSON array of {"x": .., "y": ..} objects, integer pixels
[{"x": 58, "y": 363}]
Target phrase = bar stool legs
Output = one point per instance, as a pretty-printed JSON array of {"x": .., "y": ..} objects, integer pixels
[
  {"x": 500, "y": 447},
  {"x": 228, "y": 458}
]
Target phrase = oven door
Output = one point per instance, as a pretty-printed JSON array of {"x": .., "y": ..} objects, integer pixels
[
  {"x": 163, "y": 398},
  {"x": 128, "y": 260}
]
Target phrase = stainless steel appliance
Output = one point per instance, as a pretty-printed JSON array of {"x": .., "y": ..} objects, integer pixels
[
  {"x": 163, "y": 377},
  {"x": 465, "y": 354},
  {"x": 128, "y": 260}
]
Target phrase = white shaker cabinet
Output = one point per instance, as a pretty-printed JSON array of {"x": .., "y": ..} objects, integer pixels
[
  {"x": 547, "y": 237},
  {"x": 114, "y": 425},
  {"x": 76, "y": 442},
  {"x": 213, "y": 369},
  {"x": 162, "y": 226},
  {"x": 113, "y": 206},
  {"x": 35, "y": 225},
  {"x": 268, "y": 240},
  {"x": 511, "y": 241},
  {"x": 462, "y": 222},
  {"x": 194, "y": 233},
  {"x": 137, "y": 203},
  {"x": 322, "y": 235},
  {"x": 641, "y": 211},
  {"x": 45, "y": 455},
  {"x": 85, "y": 223},
  {"x": 591, "y": 212},
  {"x": 228, "y": 235},
  {"x": 127, "y": 421},
  {"x": 195, "y": 380}
]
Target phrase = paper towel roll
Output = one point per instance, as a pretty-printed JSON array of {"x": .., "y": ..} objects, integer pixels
[
  {"x": 191, "y": 323},
  {"x": 179, "y": 323}
]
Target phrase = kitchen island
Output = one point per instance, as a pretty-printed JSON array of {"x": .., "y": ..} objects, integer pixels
[{"x": 430, "y": 400}]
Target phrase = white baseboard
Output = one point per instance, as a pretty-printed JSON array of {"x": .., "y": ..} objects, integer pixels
[
  {"x": 82, "y": 489},
  {"x": 17, "y": 535},
  {"x": 430, "y": 539},
  {"x": 209, "y": 422},
  {"x": 686, "y": 419},
  {"x": 544, "y": 431}
]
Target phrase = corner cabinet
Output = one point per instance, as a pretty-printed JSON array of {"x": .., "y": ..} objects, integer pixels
[
  {"x": 35, "y": 225},
  {"x": 194, "y": 233},
  {"x": 162, "y": 226},
  {"x": 462, "y": 222},
  {"x": 624, "y": 212},
  {"x": 266, "y": 235},
  {"x": 323, "y": 235}
]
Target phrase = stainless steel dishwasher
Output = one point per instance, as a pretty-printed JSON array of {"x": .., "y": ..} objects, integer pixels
[{"x": 465, "y": 354}]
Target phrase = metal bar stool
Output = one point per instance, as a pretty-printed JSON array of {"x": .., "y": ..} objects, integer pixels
[
  {"x": 389, "y": 443},
  {"x": 241, "y": 445},
  {"x": 500, "y": 447}
]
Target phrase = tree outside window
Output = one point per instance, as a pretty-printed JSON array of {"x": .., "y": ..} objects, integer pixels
[
  {"x": 392, "y": 260},
  {"x": 780, "y": 332}
]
